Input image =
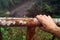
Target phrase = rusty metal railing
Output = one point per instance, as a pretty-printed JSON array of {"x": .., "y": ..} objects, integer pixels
[{"x": 30, "y": 23}]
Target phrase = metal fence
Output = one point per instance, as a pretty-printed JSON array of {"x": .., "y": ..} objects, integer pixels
[{"x": 30, "y": 23}]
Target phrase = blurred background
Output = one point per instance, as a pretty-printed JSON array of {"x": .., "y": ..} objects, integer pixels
[{"x": 27, "y": 8}]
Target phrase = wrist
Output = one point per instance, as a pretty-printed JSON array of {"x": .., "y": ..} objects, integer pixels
[{"x": 56, "y": 31}]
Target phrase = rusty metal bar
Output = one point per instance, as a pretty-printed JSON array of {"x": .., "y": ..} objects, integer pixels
[
  {"x": 23, "y": 21},
  {"x": 30, "y": 33},
  {"x": 30, "y": 23},
  {"x": 0, "y": 35}
]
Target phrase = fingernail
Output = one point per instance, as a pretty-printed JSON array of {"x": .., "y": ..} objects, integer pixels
[
  {"x": 44, "y": 15},
  {"x": 40, "y": 15},
  {"x": 48, "y": 15},
  {"x": 37, "y": 15}
]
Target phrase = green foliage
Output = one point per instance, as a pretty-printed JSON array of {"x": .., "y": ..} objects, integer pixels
[
  {"x": 52, "y": 6},
  {"x": 6, "y": 4},
  {"x": 20, "y": 34},
  {"x": 3, "y": 13},
  {"x": 13, "y": 33}
]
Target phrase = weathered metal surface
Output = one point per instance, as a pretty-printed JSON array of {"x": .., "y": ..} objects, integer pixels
[
  {"x": 18, "y": 22},
  {"x": 30, "y": 33},
  {"x": 30, "y": 23},
  {"x": 23, "y": 21}
]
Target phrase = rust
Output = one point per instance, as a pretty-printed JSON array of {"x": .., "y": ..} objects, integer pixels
[
  {"x": 30, "y": 32},
  {"x": 0, "y": 35},
  {"x": 30, "y": 23},
  {"x": 22, "y": 22}
]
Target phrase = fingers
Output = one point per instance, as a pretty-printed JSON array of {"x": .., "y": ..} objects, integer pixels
[
  {"x": 45, "y": 17},
  {"x": 39, "y": 17},
  {"x": 50, "y": 18},
  {"x": 42, "y": 18},
  {"x": 47, "y": 22}
]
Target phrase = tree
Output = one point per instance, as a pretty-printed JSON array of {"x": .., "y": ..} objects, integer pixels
[
  {"x": 6, "y": 4},
  {"x": 48, "y": 7},
  {"x": 52, "y": 6}
]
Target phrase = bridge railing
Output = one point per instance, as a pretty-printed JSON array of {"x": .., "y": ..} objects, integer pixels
[{"x": 30, "y": 23}]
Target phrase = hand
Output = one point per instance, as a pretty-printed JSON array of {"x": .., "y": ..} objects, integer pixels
[{"x": 47, "y": 22}]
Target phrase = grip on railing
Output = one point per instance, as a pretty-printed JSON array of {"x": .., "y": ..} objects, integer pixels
[{"x": 23, "y": 22}]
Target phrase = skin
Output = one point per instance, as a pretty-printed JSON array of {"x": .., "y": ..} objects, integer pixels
[{"x": 48, "y": 25}]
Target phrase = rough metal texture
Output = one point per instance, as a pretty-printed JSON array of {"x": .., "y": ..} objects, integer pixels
[
  {"x": 30, "y": 23},
  {"x": 22, "y": 21}
]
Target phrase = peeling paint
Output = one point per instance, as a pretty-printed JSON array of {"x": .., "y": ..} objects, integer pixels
[
  {"x": 35, "y": 20},
  {"x": 3, "y": 22},
  {"x": 9, "y": 23},
  {"x": 13, "y": 22}
]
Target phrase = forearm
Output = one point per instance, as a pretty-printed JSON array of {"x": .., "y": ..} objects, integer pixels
[
  {"x": 56, "y": 32},
  {"x": 48, "y": 25}
]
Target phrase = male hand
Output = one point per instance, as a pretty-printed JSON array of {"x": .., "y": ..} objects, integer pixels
[{"x": 47, "y": 22}]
